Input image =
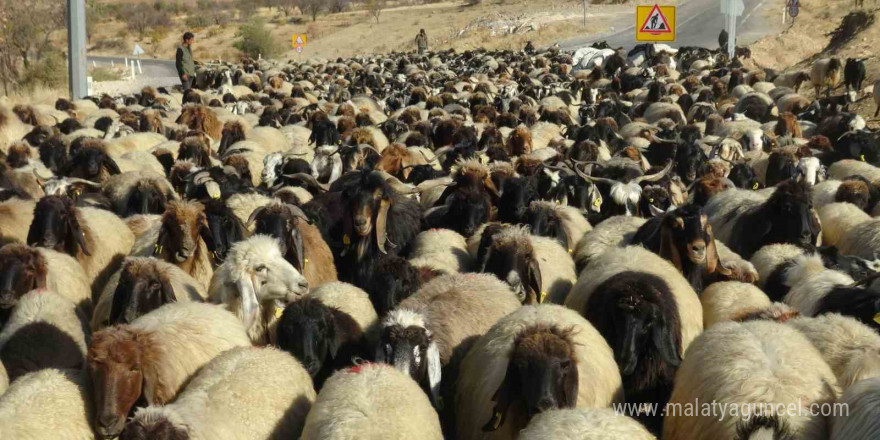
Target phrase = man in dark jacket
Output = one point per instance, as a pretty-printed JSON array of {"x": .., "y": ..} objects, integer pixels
[
  {"x": 186, "y": 66},
  {"x": 422, "y": 41}
]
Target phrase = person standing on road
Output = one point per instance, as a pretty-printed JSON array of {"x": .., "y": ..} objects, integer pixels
[
  {"x": 422, "y": 42},
  {"x": 186, "y": 66}
]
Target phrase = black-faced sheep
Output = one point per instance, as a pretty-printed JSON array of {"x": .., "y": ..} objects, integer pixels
[
  {"x": 539, "y": 358},
  {"x": 210, "y": 406}
]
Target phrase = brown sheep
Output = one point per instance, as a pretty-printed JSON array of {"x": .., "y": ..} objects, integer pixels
[
  {"x": 519, "y": 142},
  {"x": 706, "y": 187},
  {"x": 183, "y": 239},
  {"x": 151, "y": 122},
  {"x": 397, "y": 161},
  {"x": 24, "y": 268},
  {"x": 787, "y": 125},
  {"x": 195, "y": 147},
  {"x": 19, "y": 155},
  {"x": 856, "y": 192},
  {"x": 201, "y": 118}
]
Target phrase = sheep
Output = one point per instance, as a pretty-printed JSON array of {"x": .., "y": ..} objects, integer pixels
[
  {"x": 842, "y": 169},
  {"x": 730, "y": 300},
  {"x": 745, "y": 221},
  {"x": 661, "y": 110},
  {"x": 45, "y": 330},
  {"x": 791, "y": 80},
  {"x": 853, "y": 190},
  {"x": 96, "y": 238},
  {"x": 273, "y": 385},
  {"x": 354, "y": 302},
  {"x": 810, "y": 282},
  {"x": 434, "y": 327},
  {"x": 770, "y": 257},
  {"x": 24, "y": 268},
  {"x": 254, "y": 282},
  {"x": 48, "y": 403},
  {"x": 611, "y": 232},
  {"x": 657, "y": 300},
  {"x": 153, "y": 357},
  {"x": 16, "y": 216},
  {"x": 138, "y": 193},
  {"x": 552, "y": 347},
  {"x": 537, "y": 268},
  {"x": 371, "y": 402},
  {"x": 826, "y": 73},
  {"x": 441, "y": 250},
  {"x": 301, "y": 242},
  {"x": 564, "y": 223},
  {"x": 851, "y": 348},
  {"x": 854, "y": 74},
  {"x": 140, "y": 286},
  {"x": 201, "y": 118},
  {"x": 860, "y": 240},
  {"x": 584, "y": 424},
  {"x": 861, "y": 421},
  {"x": 753, "y": 363}
]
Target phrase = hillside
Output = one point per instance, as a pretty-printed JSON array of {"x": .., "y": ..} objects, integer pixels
[{"x": 809, "y": 39}]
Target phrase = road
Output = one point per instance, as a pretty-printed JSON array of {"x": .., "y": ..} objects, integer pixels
[
  {"x": 698, "y": 24},
  {"x": 151, "y": 67}
]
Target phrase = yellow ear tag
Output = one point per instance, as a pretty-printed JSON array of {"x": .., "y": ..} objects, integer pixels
[
  {"x": 570, "y": 250},
  {"x": 755, "y": 186},
  {"x": 76, "y": 193},
  {"x": 497, "y": 423},
  {"x": 305, "y": 261},
  {"x": 157, "y": 249},
  {"x": 650, "y": 200},
  {"x": 278, "y": 312},
  {"x": 558, "y": 203},
  {"x": 543, "y": 295},
  {"x": 597, "y": 202},
  {"x": 215, "y": 196},
  {"x": 862, "y": 157},
  {"x": 346, "y": 240},
  {"x": 877, "y": 318}
]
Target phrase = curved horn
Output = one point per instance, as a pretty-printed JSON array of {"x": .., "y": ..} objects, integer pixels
[
  {"x": 562, "y": 168},
  {"x": 654, "y": 177},
  {"x": 307, "y": 179},
  {"x": 83, "y": 181},
  {"x": 298, "y": 213},
  {"x": 254, "y": 215},
  {"x": 592, "y": 179},
  {"x": 438, "y": 153},
  {"x": 42, "y": 178},
  {"x": 365, "y": 146},
  {"x": 400, "y": 187}
]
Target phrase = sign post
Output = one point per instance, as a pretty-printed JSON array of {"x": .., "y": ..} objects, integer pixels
[
  {"x": 138, "y": 51},
  {"x": 76, "y": 49},
  {"x": 655, "y": 23},
  {"x": 299, "y": 41},
  {"x": 732, "y": 9}
]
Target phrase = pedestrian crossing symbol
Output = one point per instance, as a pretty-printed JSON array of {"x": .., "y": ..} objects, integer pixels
[{"x": 655, "y": 23}]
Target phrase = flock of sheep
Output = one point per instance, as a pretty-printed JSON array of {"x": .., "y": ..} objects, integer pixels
[{"x": 478, "y": 245}]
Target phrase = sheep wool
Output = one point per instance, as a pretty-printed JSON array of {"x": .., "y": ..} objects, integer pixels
[
  {"x": 484, "y": 368},
  {"x": 769, "y": 257},
  {"x": 584, "y": 424},
  {"x": 757, "y": 362},
  {"x": 851, "y": 348},
  {"x": 442, "y": 250},
  {"x": 839, "y": 221},
  {"x": 352, "y": 301},
  {"x": 862, "y": 420},
  {"x": 4, "y": 379},
  {"x": 47, "y": 404},
  {"x": 244, "y": 393},
  {"x": 45, "y": 330},
  {"x": 613, "y": 232},
  {"x": 372, "y": 402},
  {"x": 728, "y": 300}
]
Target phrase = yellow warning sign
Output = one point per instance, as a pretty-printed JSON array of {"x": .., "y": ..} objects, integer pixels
[
  {"x": 299, "y": 41},
  {"x": 655, "y": 23}
]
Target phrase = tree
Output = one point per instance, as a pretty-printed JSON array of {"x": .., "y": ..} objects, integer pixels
[
  {"x": 337, "y": 6},
  {"x": 25, "y": 27},
  {"x": 311, "y": 7},
  {"x": 374, "y": 7},
  {"x": 143, "y": 17},
  {"x": 256, "y": 40}
]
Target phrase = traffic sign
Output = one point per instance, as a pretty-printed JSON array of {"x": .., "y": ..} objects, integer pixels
[
  {"x": 138, "y": 50},
  {"x": 732, "y": 7},
  {"x": 655, "y": 23},
  {"x": 299, "y": 41}
]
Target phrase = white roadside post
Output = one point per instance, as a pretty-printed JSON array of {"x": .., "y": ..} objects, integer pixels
[{"x": 732, "y": 9}]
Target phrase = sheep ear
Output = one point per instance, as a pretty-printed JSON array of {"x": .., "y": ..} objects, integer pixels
[
  {"x": 121, "y": 297},
  {"x": 628, "y": 354},
  {"x": 502, "y": 400},
  {"x": 160, "y": 241},
  {"x": 297, "y": 239},
  {"x": 78, "y": 234},
  {"x": 434, "y": 373},
  {"x": 534, "y": 282},
  {"x": 205, "y": 233},
  {"x": 249, "y": 304},
  {"x": 570, "y": 387},
  {"x": 713, "y": 260},
  {"x": 663, "y": 335},
  {"x": 111, "y": 165},
  {"x": 168, "y": 295},
  {"x": 382, "y": 223},
  {"x": 668, "y": 249}
]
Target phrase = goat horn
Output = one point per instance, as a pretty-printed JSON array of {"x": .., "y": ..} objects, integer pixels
[
  {"x": 84, "y": 181},
  {"x": 431, "y": 184},
  {"x": 306, "y": 178},
  {"x": 297, "y": 212},
  {"x": 364, "y": 146},
  {"x": 654, "y": 177},
  {"x": 400, "y": 187},
  {"x": 42, "y": 178},
  {"x": 254, "y": 215},
  {"x": 559, "y": 168},
  {"x": 438, "y": 153},
  {"x": 592, "y": 179}
]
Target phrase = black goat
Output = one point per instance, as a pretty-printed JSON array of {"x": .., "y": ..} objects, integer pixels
[
  {"x": 854, "y": 73},
  {"x": 226, "y": 228}
]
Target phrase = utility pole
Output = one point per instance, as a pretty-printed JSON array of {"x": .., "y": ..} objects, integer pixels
[
  {"x": 585, "y": 13},
  {"x": 76, "y": 48}
]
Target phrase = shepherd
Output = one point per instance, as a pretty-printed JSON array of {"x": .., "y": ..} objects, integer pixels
[
  {"x": 186, "y": 66},
  {"x": 422, "y": 42}
]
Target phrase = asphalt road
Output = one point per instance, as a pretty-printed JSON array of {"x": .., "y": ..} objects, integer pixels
[
  {"x": 151, "y": 67},
  {"x": 698, "y": 23}
]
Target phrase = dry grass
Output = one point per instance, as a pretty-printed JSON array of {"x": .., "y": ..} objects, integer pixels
[{"x": 36, "y": 96}]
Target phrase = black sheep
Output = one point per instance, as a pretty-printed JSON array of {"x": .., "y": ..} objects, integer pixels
[{"x": 854, "y": 73}]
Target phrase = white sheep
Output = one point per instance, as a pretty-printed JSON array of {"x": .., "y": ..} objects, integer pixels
[
  {"x": 254, "y": 282},
  {"x": 771, "y": 256},
  {"x": 244, "y": 392},
  {"x": 47, "y": 404},
  {"x": 45, "y": 330},
  {"x": 371, "y": 402},
  {"x": 16, "y": 216},
  {"x": 852, "y": 349},
  {"x": 11, "y": 128},
  {"x": 826, "y": 73},
  {"x": 861, "y": 240},
  {"x": 442, "y": 250},
  {"x": 810, "y": 282},
  {"x": 861, "y": 418},
  {"x": 838, "y": 221},
  {"x": 752, "y": 363},
  {"x": 729, "y": 300},
  {"x": 584, "y": 424},
  {"x": 610, "y": 233},
  {"x": 483, "y": 375},
  {"x": 849, "y": 167}
]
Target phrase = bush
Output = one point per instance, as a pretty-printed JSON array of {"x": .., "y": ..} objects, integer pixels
[
  {"x": 255, "y": 39},
  {"x": 142, "y": 17},
  {"x": 101, "y": 74},
  {"x": 197, "y": 21},
  {"x": 158, "y": 34},
  {"x": 48, "y": 72}
]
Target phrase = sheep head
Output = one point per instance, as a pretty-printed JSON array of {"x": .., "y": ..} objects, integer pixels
[
  {"x": 369, "y": 198},
  {"x": 56, "y": 226},
  {"x": 259, "y": 273},
  {"x": 115, "y": 368},
  {"x": 226, "y": 229},
  {"x": 184, "y": 223},
  {"x": 154, "y": 423},
  {"x": 407, "y": 344},
  {"x": 143, "y": 287},
  {"x": 542, "y": 374},
  {"x": 307, "y": 330},
  {"x": 148, "y": 196},
  {"x": 91, "y": 162},
  {"x": 279, "y": 220},
  {"x": 507, "y": 253},
  {"x": 233, "y": 131},
  {"x": 195, "y": 147},
  {"x": 22, "y": 269}
]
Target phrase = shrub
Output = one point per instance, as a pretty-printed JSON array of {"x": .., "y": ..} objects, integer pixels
[
  {"x": 197, "y": 21},
  {"x": 49, "y": 72},
  {"x": 255, "y": 39},
  {"x": 158, "y": 34},
  {"x": 101, "y": 74}
]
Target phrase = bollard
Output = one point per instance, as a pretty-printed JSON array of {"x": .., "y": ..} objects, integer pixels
[{"x": 140, "y": 71}]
